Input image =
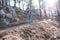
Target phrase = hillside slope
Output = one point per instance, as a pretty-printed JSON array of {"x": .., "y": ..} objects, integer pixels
[{"x": 38, "y": 30}]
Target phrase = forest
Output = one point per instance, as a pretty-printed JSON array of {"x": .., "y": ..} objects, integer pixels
[{"x": 29, "y": 19}]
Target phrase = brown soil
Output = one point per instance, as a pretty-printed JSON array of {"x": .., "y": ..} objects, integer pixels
[{"x": 38, "y": 30}]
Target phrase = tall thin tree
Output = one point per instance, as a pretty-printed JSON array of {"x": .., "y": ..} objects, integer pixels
[
  {"x": 14, "y": 3},
  {"x": 19, "y": 2},
  {"x": 40, "y": 9},
  {"x": 9, "y": 2},
  {"x": 2, "y": 2}
]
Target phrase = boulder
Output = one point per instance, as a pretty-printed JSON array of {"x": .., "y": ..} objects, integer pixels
[
  {"x": 58, "y": 36},
  {"x": 2, "y": 13}
]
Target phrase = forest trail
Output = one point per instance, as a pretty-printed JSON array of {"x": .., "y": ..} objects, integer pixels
[{"x": 45, "y": 30}]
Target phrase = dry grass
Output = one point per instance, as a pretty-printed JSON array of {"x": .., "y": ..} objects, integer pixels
[{"x": 40, "y": 30}]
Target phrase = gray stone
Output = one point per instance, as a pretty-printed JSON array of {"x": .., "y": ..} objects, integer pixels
[
  {"x": 58, "y": 36},
  {"x": 2, "y": 13}
]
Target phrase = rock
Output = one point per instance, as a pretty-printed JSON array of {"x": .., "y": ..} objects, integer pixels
[
  {"x": 12, "y": 11},
  {"x": 58, "y": 36},
  {"x": 2, "y": 13},
  {"x": 5, "y": 22},
  {"x": 9, "y": 16}
]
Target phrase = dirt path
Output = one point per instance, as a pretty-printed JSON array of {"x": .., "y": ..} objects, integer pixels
[{"x": 37, "y": 30}]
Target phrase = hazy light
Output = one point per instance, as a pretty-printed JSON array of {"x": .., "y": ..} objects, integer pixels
[
  {"x": 50, "y": 6},
  {"x": 24, "y": 5},
  {"x": 36, "y": 4},
  {"x": 12, "y": 3},
  {"x": 50, "y": 2}
]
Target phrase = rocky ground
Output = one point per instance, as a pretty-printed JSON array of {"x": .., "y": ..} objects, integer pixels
[{"x": 38, "y": 30}]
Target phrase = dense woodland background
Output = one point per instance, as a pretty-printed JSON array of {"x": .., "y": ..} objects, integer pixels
[
  {"x": 43, "y": 10},
  {"x": 29, "y": 19}
]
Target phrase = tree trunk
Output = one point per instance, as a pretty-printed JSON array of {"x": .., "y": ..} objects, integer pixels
[
  {"x": 23, "y": 4},
  {"x": 19, "y": 5},
  {"x": 30, "y": 4},
  {"x": 9, "y": 2},
  {"x": 6, "y": 3},
  {"x": 14, "y": 3},
  {"x": 45, "y": 13},
  {"x": 40, "y": 10},
  {"x": 2, "y": 2}
]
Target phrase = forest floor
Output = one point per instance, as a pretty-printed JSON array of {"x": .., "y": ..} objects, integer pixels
[{"x": 38, "y": 30}]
